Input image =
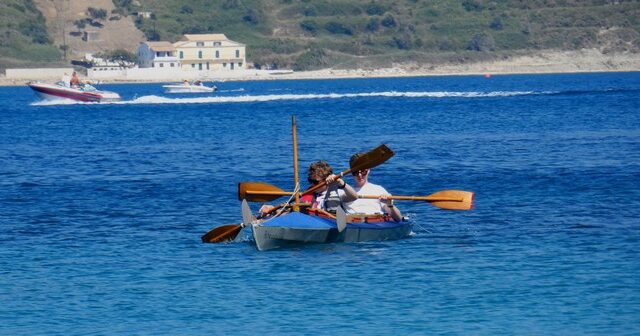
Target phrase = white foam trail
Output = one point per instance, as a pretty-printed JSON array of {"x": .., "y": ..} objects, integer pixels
[
  {"x": 153, "y": 99},
  {"x": 264, "y": 98}
]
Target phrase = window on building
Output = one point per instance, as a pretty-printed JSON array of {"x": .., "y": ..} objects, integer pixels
[
  {"x": 240, "y": 64},
  {"x": 217, "y": 53},
  {"x": 232, "y": 66},
  {"x": 153, "y": 65},
  {"x": 200, "y": 54},
  {"x": 217, "y": 44},
  {"x": 237, "y": 53},
  {"x": 200, "y": 44},
  {"x": 224, "y": 65},
  {"x": 171, "y": 65},
  {"x": 199, "y": 66},
  {"x": 162, "y": 65},
  {"x": 207, "y": 65},
  {"x": 181, "y": 54}
]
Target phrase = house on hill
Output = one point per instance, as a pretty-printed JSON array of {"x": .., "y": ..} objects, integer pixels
[
  {"x": 157, "y": 55},
  {"x": 210, "y": 52},
  {"x": 199, "y": 52}
]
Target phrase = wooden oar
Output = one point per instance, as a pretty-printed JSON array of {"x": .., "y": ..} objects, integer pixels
[
  {"x": 371, "y": 159},
  {"x": 229, "y": 232},
  {"x": 445, "y": 199},
  {"x": 341, "y": 219}
]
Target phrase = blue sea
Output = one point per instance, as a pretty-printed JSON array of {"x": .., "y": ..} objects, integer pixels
[{"x": 102, "y": 207}]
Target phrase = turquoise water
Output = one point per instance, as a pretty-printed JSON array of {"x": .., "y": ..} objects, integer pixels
[{"x": 102, "y": 207}]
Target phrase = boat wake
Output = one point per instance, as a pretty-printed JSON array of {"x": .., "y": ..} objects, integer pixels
[
  {"x": 64, "y": 101},
  {"x": 275, "y": 97},
  {"x": 154, "y": 99}
]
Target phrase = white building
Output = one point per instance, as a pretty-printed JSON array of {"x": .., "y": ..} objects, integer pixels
[{"x": 157, "y": 55}]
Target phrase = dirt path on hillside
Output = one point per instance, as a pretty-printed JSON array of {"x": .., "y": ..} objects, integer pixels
[{"x": 116, "y": 34}]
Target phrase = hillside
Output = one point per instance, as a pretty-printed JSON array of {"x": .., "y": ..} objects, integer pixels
[
  {"x": 305, "y": 35},
  {"x": 35, "y": 33},
  {"x": 24, "y": 35},
  {"x": 68, "y": 21},
  {"x": 365, "y": 33}
]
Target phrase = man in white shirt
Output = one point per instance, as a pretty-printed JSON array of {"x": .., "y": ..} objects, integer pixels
[{"x": 382, "y": 205}]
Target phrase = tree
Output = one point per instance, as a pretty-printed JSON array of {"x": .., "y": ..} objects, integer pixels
[
  {"x": 389, "y": 21},
  {"x": 97, "y": 13},
  {"x": 482, "y": 42},
  {"x": 119, "y": 55},
  {"x": 310, "y": 26}
]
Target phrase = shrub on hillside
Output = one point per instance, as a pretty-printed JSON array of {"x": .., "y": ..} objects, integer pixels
[
  {"x": 97, "y": 13},
  {"x": 310, "y": 26},
  {"x": 313, "y": 58},
  {"x": 482, "y": 42},
  {"x": 338, "y": 28}
]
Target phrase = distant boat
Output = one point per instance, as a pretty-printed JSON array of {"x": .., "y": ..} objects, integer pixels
[
  {"x": 83, "y": 92},
  {"x": 186, "y": 87}
]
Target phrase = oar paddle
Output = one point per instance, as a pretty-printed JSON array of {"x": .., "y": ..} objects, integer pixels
[
  {"x": 262, "y": 192},
  {"x": 341, "y": 219},
  {"x": 229, "y": 232},
  {"x": 368, "y": 160},
  {"x": 445, "y": 199}
]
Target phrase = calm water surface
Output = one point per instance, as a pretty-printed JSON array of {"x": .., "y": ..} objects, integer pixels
[{"x": 102, "y": 207}]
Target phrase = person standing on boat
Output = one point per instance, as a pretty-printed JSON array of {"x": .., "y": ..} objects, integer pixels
[
  {"x": 382, "y": 205},
  {"x": 334, "y": 193}
]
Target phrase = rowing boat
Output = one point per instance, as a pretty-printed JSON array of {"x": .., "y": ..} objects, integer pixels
[{"x": 297, "y": 228}]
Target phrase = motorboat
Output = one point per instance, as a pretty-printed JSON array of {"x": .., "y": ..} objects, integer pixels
[
  {"x": 82, "y": 92},
  {"x": 186, "y": 87}
]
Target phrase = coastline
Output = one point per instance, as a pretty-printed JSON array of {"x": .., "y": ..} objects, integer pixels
[{"x": 581, "y": 61}]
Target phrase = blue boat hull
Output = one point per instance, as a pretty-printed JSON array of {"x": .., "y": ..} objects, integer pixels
[{"x": 296, "y": 228}]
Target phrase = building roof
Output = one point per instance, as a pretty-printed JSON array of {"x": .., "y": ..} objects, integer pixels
[
  {"x": 205, "y": 37},
  {"x": 161, "y": 46}
]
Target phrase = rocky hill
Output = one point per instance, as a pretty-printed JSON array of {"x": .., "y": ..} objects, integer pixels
[
  {"x": 306, "y": 35},
  {"x": 113, "y": 31},
  {"x": 53, "y": 32}
]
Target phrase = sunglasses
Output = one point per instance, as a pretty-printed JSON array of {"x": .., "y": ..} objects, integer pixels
[
  {"x": 362, "y": 172},
  {"x": 313, "y": 181}
]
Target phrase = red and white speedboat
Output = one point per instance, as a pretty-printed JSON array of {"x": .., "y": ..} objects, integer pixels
[{"x": 84, "y": 93}]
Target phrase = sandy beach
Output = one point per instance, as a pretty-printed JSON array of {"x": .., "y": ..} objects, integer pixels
[{"x": 591, "y": 60}]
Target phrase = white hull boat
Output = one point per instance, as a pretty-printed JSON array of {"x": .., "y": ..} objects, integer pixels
[{"x": 188, "y": 88}]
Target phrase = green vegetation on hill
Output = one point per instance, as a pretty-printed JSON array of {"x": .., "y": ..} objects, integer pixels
[
  {"x": 23, "y": 34},
  {"x": 306, "y": 34}
]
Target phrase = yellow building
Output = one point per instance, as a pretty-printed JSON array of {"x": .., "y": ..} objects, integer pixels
[{"x": 214, "y": 52}]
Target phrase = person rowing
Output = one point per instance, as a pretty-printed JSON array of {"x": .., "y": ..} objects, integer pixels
[
  {"x": 382, "y": 205},
  {"x": 334, "y": 193}
]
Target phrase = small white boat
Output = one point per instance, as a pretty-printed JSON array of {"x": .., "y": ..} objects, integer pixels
[
  {"x": 186, "y": 87},
  {"x": 83, "y": 92}
]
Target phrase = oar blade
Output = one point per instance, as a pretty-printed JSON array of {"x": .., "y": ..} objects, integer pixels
[
  {"x": 247, "y": 216},
  {"x": 251, "y": 191},
  {"x": 452, "y": 199},
  {"x": 222, "y": 233},
  {"x": 373, "y": 158},
  {"x": 341, "y": 219}
]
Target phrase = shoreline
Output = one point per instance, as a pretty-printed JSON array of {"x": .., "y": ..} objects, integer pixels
[{"x": 582, "y": 61}]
